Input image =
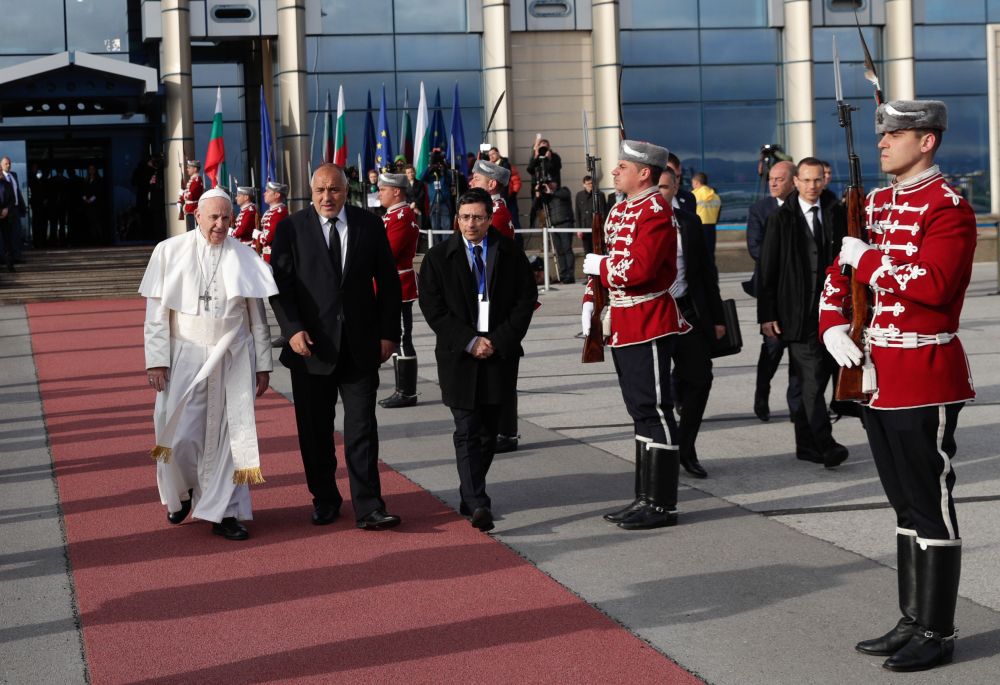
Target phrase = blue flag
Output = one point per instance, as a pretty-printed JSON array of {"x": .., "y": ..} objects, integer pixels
[
  {"x": 368, "y": 138},
  {"x": 267, "y": 160},
  {"x": 458, "y": 134},
  {"x": 439, "y": 136},
  {"x": 383, "y": 141}
]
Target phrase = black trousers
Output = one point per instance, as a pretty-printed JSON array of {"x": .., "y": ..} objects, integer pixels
[
  {"x": 644, "y": 377},
  {"x": 475, "y": 439},
  {"x": 7, "y": 234},
  {"x": 693, "y": 381},
  {"x": 813, "y": 367},
  {"x": 913, "y": 449},
  {"x": 406, "y": 342},
  {"x": 315, "y": 409},
  {"x": 563, "y": 244},
  {"x": 771, "y": 351},
  {"x": 507, "y": 417}
]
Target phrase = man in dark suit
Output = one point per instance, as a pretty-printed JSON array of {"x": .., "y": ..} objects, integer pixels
[
  {"x": 685, "y": 199},
  {"x": 11, "y": 210},
  {"x": 799, "y": 244},
  {"x": 696, "y": 291},
  {"x": 339, "y": 329},
  {"x": 477, "y": 293},
  {"x": 779, "y": 186}
]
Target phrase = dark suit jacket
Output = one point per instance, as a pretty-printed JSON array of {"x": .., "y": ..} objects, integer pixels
[
  {"x": 756, "y": 223},
  {"x": 686, "y": 199},
  {"x": 700, "y": 274},
  {"x": 11, "y": 193},
  {"x": 310, "y": 298},
  {"x": 448, "y": 299}
]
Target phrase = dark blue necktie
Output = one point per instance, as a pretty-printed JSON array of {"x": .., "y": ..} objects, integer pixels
[{"x": 477, "y": 253}]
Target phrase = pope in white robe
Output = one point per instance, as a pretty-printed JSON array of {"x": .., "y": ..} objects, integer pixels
[{"x": 208, "y": 354}]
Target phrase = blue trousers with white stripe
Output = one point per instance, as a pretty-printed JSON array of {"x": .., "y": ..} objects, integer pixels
[
  {"x": 644, "y": 376},
  {"x": 913, "y": 451}
]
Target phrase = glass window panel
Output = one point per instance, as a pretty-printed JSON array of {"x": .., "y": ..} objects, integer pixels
[
  {"x": 852, "y": 77},
  {"x": 23, "y": 33},
  {"x": 993, "y": 11},
  {"x": 848, "y": 44},
  {"x": 659, "y": 47},
  {"x": 831, "y": 144},
  {"x": 952, "y": 78},
  {"x": 739, "y": 46},
  {"x": 344, "y": 16},
  {"x": 216, "y": 74},
  {"x": 720, "y": 13},
  {"x": 952, "y": 12},
  {"x": 420, "y": 16},
  {"x": 650, "y": 122},
  {"x": 438, "y": 52},
  {"x": 94, "y": 25},
  {"x": 661, "y": 84},
  {"x": 232, "y": 104},
  {"x": 964, "y": 153},
  {"x": 351, "y": 53},
  {"x": 733, "y": 135},
  {"x": 949, "y": 42},
  {"x": 663, "y": 14},
  {"x": 469, "y": 88},
  {"x": 356, "y": 89},
  {"x": 745, "y": 82}
]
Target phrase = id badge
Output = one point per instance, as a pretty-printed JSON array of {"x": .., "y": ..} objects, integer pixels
[{"x": 483, "y": 321}]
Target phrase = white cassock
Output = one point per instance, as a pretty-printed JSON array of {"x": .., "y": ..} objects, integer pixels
[{"x": 206, "y": 436}]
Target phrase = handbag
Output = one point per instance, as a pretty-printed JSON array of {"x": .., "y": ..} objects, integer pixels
[{"x": 732, "y": 341}]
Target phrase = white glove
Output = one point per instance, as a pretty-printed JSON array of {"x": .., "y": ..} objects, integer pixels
[
  {"x": 592, "y": 264},
  {"x": 841, "y": 347},
  {"x": 585, "y": 317},
  {"x": 256, "y": 233},
  {"x": 851, "y": 250}
]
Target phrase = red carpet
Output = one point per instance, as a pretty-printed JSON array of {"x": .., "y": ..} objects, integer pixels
[{"x": 432, "y": 602}]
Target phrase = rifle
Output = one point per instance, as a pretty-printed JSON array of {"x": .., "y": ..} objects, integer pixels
[
  {"x": 593, "y": 344},
  {"x": 180, "y": 203},
  {"x": 850, "y": 385}
]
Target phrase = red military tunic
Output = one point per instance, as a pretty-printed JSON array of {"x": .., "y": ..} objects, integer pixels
[
  {"x": 192, "y": 191},
  {"x": 925, "y": 238},
  {"x": 641, "y": 238},
  {"x": 246, "y": 224},
  {"x": 268, "y": 225},
  {"x": 502, "y": 220},
  {"x": 403, "y": 231}
]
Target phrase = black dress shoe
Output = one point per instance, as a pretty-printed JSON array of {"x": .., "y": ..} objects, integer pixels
[
  {"x": 463, "y": 509},
  {"x": 178, "y": 516},
  {"x": 325, "y": 514},
  {"x": 761, "y": 408},
  {"x": 231, "y": 529},
  {"x": 650, "y": 516},
  {"x": 808, "y": 454},
  {"x": 692, "y": 466},
  {"x": 620, "y": 515},
  {"x": 378, "y": 519},
  {"x": 482, "y": 518},
  {"x": 835, "y": 456},
  {"x": 505, "y": 444}
]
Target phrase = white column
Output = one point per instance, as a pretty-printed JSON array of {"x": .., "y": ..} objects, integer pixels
[
  {"x": 900, "y": 82},
  {"x": 800, "y": 134},
  {"x": 175, "y": 74},
  {"x": 292, "y": 140},
  {"x": 993, "y": 105},
  {"x": 607, "y": 67},
  {"x": 497, "y": 74}
]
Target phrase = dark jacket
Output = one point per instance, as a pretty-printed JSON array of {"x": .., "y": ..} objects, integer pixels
[
  {"x": 560, "y": 207},
  {"x": 792, "y": 268},
  {"x": 546, "y": 168},
  {"x": 585, "y": 208},
  {"x": 756, "y": 223},
  {"x": 686, "y": 199},
  {"x": 448, "y": 300},
  {"x": 11, "y": 193},
  {"x": 700, "y": 274},
  {"x": 311, "y": 299}
]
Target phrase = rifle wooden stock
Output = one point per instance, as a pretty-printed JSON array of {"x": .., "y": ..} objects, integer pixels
[
  {"x": 593, "y": 345},
  {"x": 849, "y": 380}
]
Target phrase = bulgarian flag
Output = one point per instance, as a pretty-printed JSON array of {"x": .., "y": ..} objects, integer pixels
[
  {"x": 340, "y": 142},
  {"x": 215, "y": 156},
  {"x": 328, "y": 132},
  {"x": 422, "y": 137}
]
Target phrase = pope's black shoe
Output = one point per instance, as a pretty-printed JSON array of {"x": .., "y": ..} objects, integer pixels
[
  {"x": 378, "y": 519},
  {"x": 231, "y": 529},
  {"x": 324, "y": 514},
  {"x": 482, "y": 518},
  {"x": 178, "y": 516}
]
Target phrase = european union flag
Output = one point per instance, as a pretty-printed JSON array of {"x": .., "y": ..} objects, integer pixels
[
  {"x": 383, "y": 142},
  {"x": 267, "y": 161},
  {"x": 458, "y": 134},
  {"x": 439, "y": 137},
  {"x": 368, "y": 158}
]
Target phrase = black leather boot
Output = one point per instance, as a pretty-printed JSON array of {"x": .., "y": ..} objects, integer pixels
[
  {"x": 906, "y": 576},
  {"x": 938, "y": 572},
  {"x": 405, "y": 394},
  {"x": 621, "y": 514},
  {"x": 660, "y": 473}
]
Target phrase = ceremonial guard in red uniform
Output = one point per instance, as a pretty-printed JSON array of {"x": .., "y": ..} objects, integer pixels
[
  {"x": 917, "y": 264},
  {"x": 642, "y": 320},
  {"x": 187, "y": 201},
  {"x": 246, "y": 221},
  {"x": 494, "y": 179},
  {"x": 403, "y": 231},
  {"x": 274, "y": 196}
]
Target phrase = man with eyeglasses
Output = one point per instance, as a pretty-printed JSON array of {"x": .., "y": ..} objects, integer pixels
[{"x": 477, "y": 293}]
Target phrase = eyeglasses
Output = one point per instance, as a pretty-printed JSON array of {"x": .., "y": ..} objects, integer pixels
[{"x": 476, "y": 218}]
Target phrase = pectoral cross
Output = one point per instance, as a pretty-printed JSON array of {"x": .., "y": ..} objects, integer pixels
[{"x": 206, "y": 298}]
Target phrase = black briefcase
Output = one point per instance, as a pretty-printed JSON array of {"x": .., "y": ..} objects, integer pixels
[{"x": 732, "y": 341}]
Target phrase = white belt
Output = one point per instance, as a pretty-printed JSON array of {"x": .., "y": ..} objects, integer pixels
[
  {"x": 201, "y": 330},
  {"x": 881, "y": 338},
  {"x": 619, "y": 300},
  {"x": 405, "y": 271}
]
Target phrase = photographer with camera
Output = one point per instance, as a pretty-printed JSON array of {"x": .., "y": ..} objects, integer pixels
[
  {"x": 545, "y": 165},
  {"x": 439, "y": 192},
  {"x": 557, "y": 204}
]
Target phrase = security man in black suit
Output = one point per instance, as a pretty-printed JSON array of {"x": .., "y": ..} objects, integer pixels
[
  {"x": 477, "y": 293},
  {"x": 338, "y": 328},
  {"x": 684, "y": 199},
  {"x": 696, "y": 291}
]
